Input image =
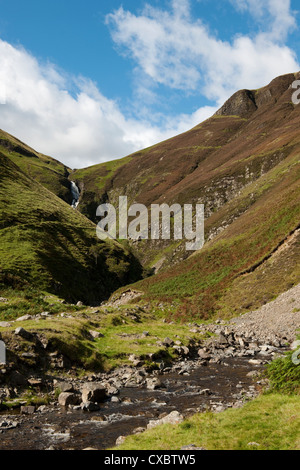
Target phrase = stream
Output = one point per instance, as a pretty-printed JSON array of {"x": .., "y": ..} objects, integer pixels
[{"x": 215, "y": 387}]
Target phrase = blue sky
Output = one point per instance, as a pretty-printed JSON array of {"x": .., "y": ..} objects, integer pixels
[{"x": 90, "y": 81}]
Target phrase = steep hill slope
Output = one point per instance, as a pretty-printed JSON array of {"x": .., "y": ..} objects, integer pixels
[
  {"x": 255, "y": 258},
  {"x": 46, "y": 244},
  {"x": 46, "y": 170},
  {"x": 243, "y": 164},
  {"x": 211, "y": 164}
]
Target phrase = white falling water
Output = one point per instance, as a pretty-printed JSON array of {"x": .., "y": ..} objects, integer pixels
[{"x": 75, "y": 195}]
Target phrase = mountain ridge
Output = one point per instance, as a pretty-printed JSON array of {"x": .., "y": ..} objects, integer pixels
[{"x": 243, "y": 165}]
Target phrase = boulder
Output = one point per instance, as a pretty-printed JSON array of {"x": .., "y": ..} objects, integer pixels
[
  {"x": 23, "y": 333},
  {"x": 167, "y": 342},
  {"x": 96, "y": 334},
  {"x": 68, "y": 398},
  {"x": 93, "y": 392},
  {"x": 27, "y": 410},
  {"x": 90, "y": 406},
  {"x": 153, "y": 383},
  {"x": 63, "y": 386}
]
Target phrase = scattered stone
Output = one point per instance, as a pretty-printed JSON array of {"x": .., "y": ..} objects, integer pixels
[
  {"x": 120, "y": 440},
  {"x": 6, "y": 424},
  {"x": 295, "y": 345},
  {"x": 205, "y": 391},
  {"x": 139, "y": 430},
  {"x": 133, "y": 358},
  {"x": 167, "y": 342},
  {"x": 66, "y": 399},
  {"x": 28, "y": 355},
  {"x": 33, "y": 382},
  {"x": 204, "y": 354},
  {"x": 90, "y": 406},
  {"x": 63, "y": 386},
  {"x": 100, "y": 419},
  {"x": 45, "y": 314},
  {"x": 23, "y": 333},
  {"x": 173, "y": 418},
  {"x": 27, "y": 410},
  {"x": 153, "y": 383},
  {"x": 253, "y": 373},
  {"x": 253, "y": 444},
  {"x": 192, "y": 447},
  {"x": 25, "y": 318},
  {"x": 256, "y": 362},
  {"x": 185, "y": 350},
  {"x": 96, "y": 334},
  {"x": 114, "y": 399},
  {"x": 93, "y": 392},
  {"x": 5, "y": 324},
  {"x": 219, "y": 408},
  {"x": 42, "y": 408}
]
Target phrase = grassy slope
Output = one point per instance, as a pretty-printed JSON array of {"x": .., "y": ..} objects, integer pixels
[
  {"x": 268, "y": 423},
  {"x": 211, "y": 279},
  {"x": 122, "y": 332},
  {"x": 45, "y": 243},
  {"x": 49, "y": 172}
]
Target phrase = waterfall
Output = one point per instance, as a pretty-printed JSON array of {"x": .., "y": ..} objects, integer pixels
[{"x": 75, "y": 195}]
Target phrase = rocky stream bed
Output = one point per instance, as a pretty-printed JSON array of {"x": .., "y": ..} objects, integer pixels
[{"x": 100, "y": 410}]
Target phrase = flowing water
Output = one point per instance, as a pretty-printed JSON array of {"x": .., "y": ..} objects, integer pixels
[
  {"x": 61, "y": 429},
  {"x": 75, "y": 195}
]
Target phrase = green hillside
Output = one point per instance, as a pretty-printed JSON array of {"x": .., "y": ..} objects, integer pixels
[
  {"x": 46, "y": 244},
  {"x": 46, "y": 170}
]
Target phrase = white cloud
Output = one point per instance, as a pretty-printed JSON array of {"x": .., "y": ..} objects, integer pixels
[
  {"x": 275, "y": 16},
  {"x": 80, "y": 130},
  {"x": 178, "y": 51},
  {"x": 70, "y": 119}
]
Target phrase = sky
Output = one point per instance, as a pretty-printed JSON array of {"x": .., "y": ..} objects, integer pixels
[{"x": 88, "y": 81}]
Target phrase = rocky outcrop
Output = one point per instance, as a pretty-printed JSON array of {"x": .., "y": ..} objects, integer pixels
[{"x": 242, "y": 104}]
